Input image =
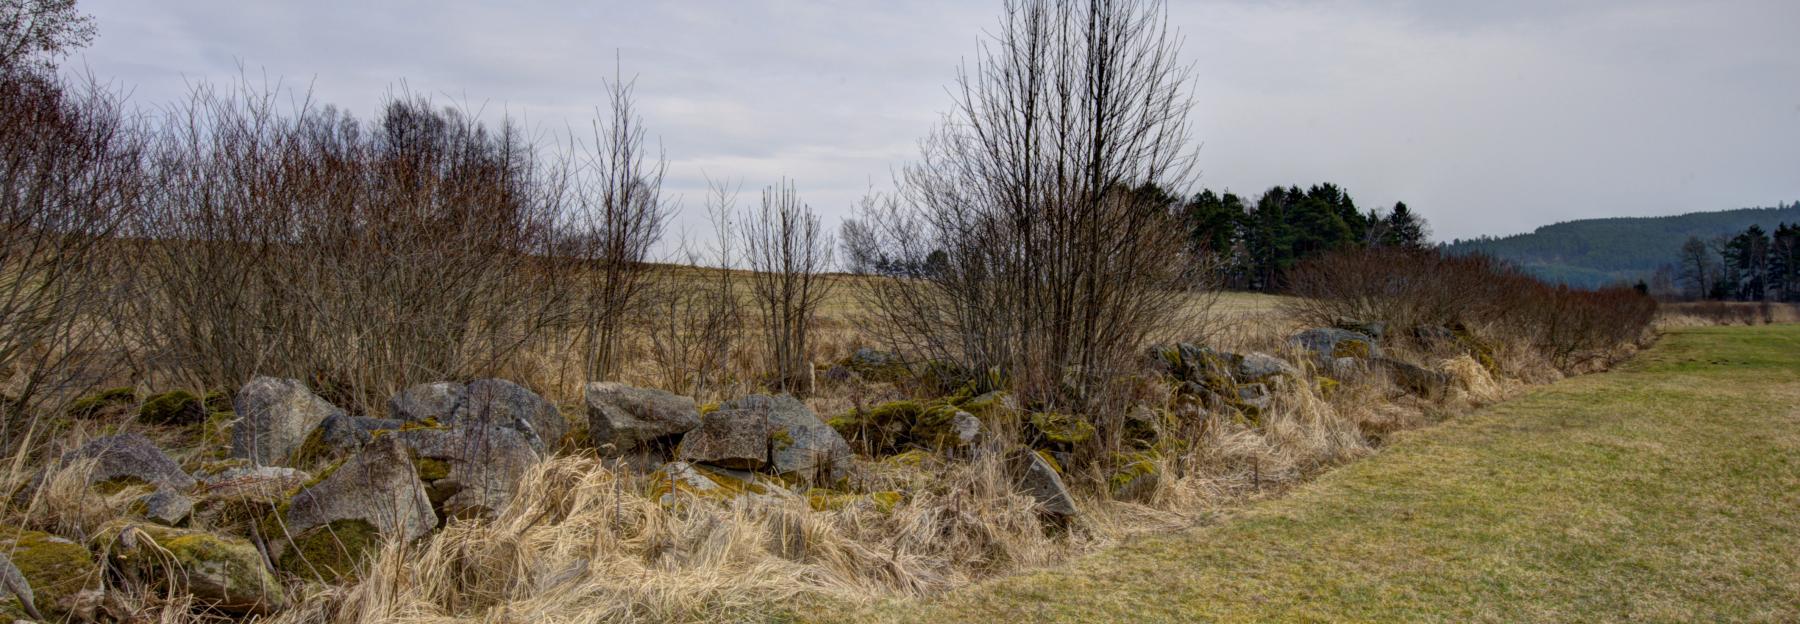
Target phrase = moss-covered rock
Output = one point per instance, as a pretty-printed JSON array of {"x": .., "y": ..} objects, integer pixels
[
  {"x": 333, "y": 552},
  {"x": 106, "y": 401},
  {"x": 55, "y": 567},
  {"x": 175, "y": 407},
  {"x": 1136, "y": 477},
  {"x": 1062, "y": 428},
  {"x": 224, "y": 572}
]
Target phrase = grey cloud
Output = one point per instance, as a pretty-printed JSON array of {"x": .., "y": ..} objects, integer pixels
[{"x": 1489, "y": 117}]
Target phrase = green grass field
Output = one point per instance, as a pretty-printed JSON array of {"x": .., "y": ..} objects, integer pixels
[{"x": 1667, "y": 490}]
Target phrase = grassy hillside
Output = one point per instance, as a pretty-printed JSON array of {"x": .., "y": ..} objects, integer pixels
[
  {"x": 1664, "y": 491},
  {"x": 1597, "y": 252}
]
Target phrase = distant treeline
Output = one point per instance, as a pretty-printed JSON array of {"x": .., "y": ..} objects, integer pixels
[
  {"x": 1599, "y": 252},
  {"x": 1257, "y": 241},
  {"x": 1753, "y": 265}
]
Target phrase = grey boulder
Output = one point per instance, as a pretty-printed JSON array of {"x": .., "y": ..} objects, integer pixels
[
  {"x": 622, "y": 418},
  {"x": 498, "y": 402},
  {"x": 800, "y": 445},
  {"x": 1327, "y": 344},
  {"x": 130, "y": 456},
  {"x": 1256, "y": 367},
  {"x": 274, "y": 418},
  {"x": 377, "y": 485},
  {"x": 731, "y": 438},
  {"x": 470, "y": 471},
  {"x": 1039, "y": 480},
  {"x": 429, "y": 401}
]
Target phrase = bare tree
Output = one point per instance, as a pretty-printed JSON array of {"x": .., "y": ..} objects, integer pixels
[
  {"x": 788, "y": 254},
  {"x": 70, "y": 179},
  {"x": 1697, "y": 267},
  {"x": 696, "y": 315},
  {"x": 299, "y": 242},
  {"x": 619, "y": 215},
  {"x": 1019, "y": 243},
  {"x": 37, "y": 32}
]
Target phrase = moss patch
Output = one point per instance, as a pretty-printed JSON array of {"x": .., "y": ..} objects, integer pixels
[
  {"x": 175, "y": 407},
  {"x": 331, "y": 553},
  {"x": 102, "y": 402},
  {"x": 55, "y": 567},
  {"x": 1063, "y": 428}
]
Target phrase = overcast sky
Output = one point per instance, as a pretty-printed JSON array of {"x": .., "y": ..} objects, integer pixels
[{"x": 1487, "y": 117}]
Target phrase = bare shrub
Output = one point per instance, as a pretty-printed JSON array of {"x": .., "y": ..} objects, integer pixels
[
  {"x": 70, "y": 178},
  {"x": 618, "y": 215},
  {"x": 695, "y": 315},
  {"x": 301, "y": 243},
  {"x": 1018, "y": 243},
  {"x": 787, "y": 253}
]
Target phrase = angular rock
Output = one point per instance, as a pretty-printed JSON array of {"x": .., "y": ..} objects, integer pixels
[
  {"x": 253, "y": 484},
  {"x": 376, "y": 486},
  {"x": 622, "y": 417},
  {"x": 1255, "y": 395},
  {"x": 877, "y": 365},
  {"x": 730, "y": 438},
  {"x": 1372, "y": 329},
  {"x": 1256, "y": 367},
  {"x": 222, "y": 572},
  {"x": 800, "y": 445},
  {"x": 166, "y": 506},
  {"x": 55, "y": 568},
  {"x": 1039, "y": 480},
  {"x": 130, "y": 456},
  {"x": 502, "y": 403},
  {"x": 430, "y": 401},
  {"x": 966, "y": 428},
  {"x": 1416, "y": 379},
  {"x": 274, "y": 418},
  {"x": 1330, "y": 343},
  {"x": 470, "y": 471}
]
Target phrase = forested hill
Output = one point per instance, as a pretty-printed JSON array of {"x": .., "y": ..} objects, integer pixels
[{"x": 1597, "y": 252}]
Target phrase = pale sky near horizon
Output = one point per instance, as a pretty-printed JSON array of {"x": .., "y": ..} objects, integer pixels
[{"x": 1486, "y": 117}]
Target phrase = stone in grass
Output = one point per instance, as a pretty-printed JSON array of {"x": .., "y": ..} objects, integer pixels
[
  {"x": 376, "y": 487},
  {"x": 502, "y": 403},
  {"x": 222, "y": 572},
  {"x": 129, "y": 458},
  {"x": 1330, "y": 343},
  {"x": 275, "y": 416},
  {"x": 622, "y": 417},
  {"x": 730, "y": 438},
  {"x": 469, "y": 471},
  {"x": 427, "y": 402},
  {"x": 1036, "y": 477},
  {"x": 166, "y": 507},
  {"x": 800, "y": 445}
]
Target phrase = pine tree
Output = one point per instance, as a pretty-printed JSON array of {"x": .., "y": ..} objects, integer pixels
[{"x": 1405, "y": 229}]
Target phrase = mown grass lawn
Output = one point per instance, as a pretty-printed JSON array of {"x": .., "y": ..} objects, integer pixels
[{"x": 1666, "y": 490}]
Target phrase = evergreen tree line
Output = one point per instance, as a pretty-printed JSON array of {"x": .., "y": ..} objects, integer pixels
[
  {"x": 1257, "y": 242},
  {"x": 1754, "y": 265}
]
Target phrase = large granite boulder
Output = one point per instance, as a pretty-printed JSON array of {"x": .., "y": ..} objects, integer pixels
[
  {"x": 341, "y": 520},
  {"x": 622, "y": 418},
  {"x": 800, "y": 445},
  {"x": 470, "y": 471},
  {"x": 223, "y": 572},
  {"x": 731, "y": 438},
  {"x": 502, "y": 403},
  {"x": 342, "y": 434},
  {"x": 427, "y": 402},
  {"x": 274, "y": 418}
]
